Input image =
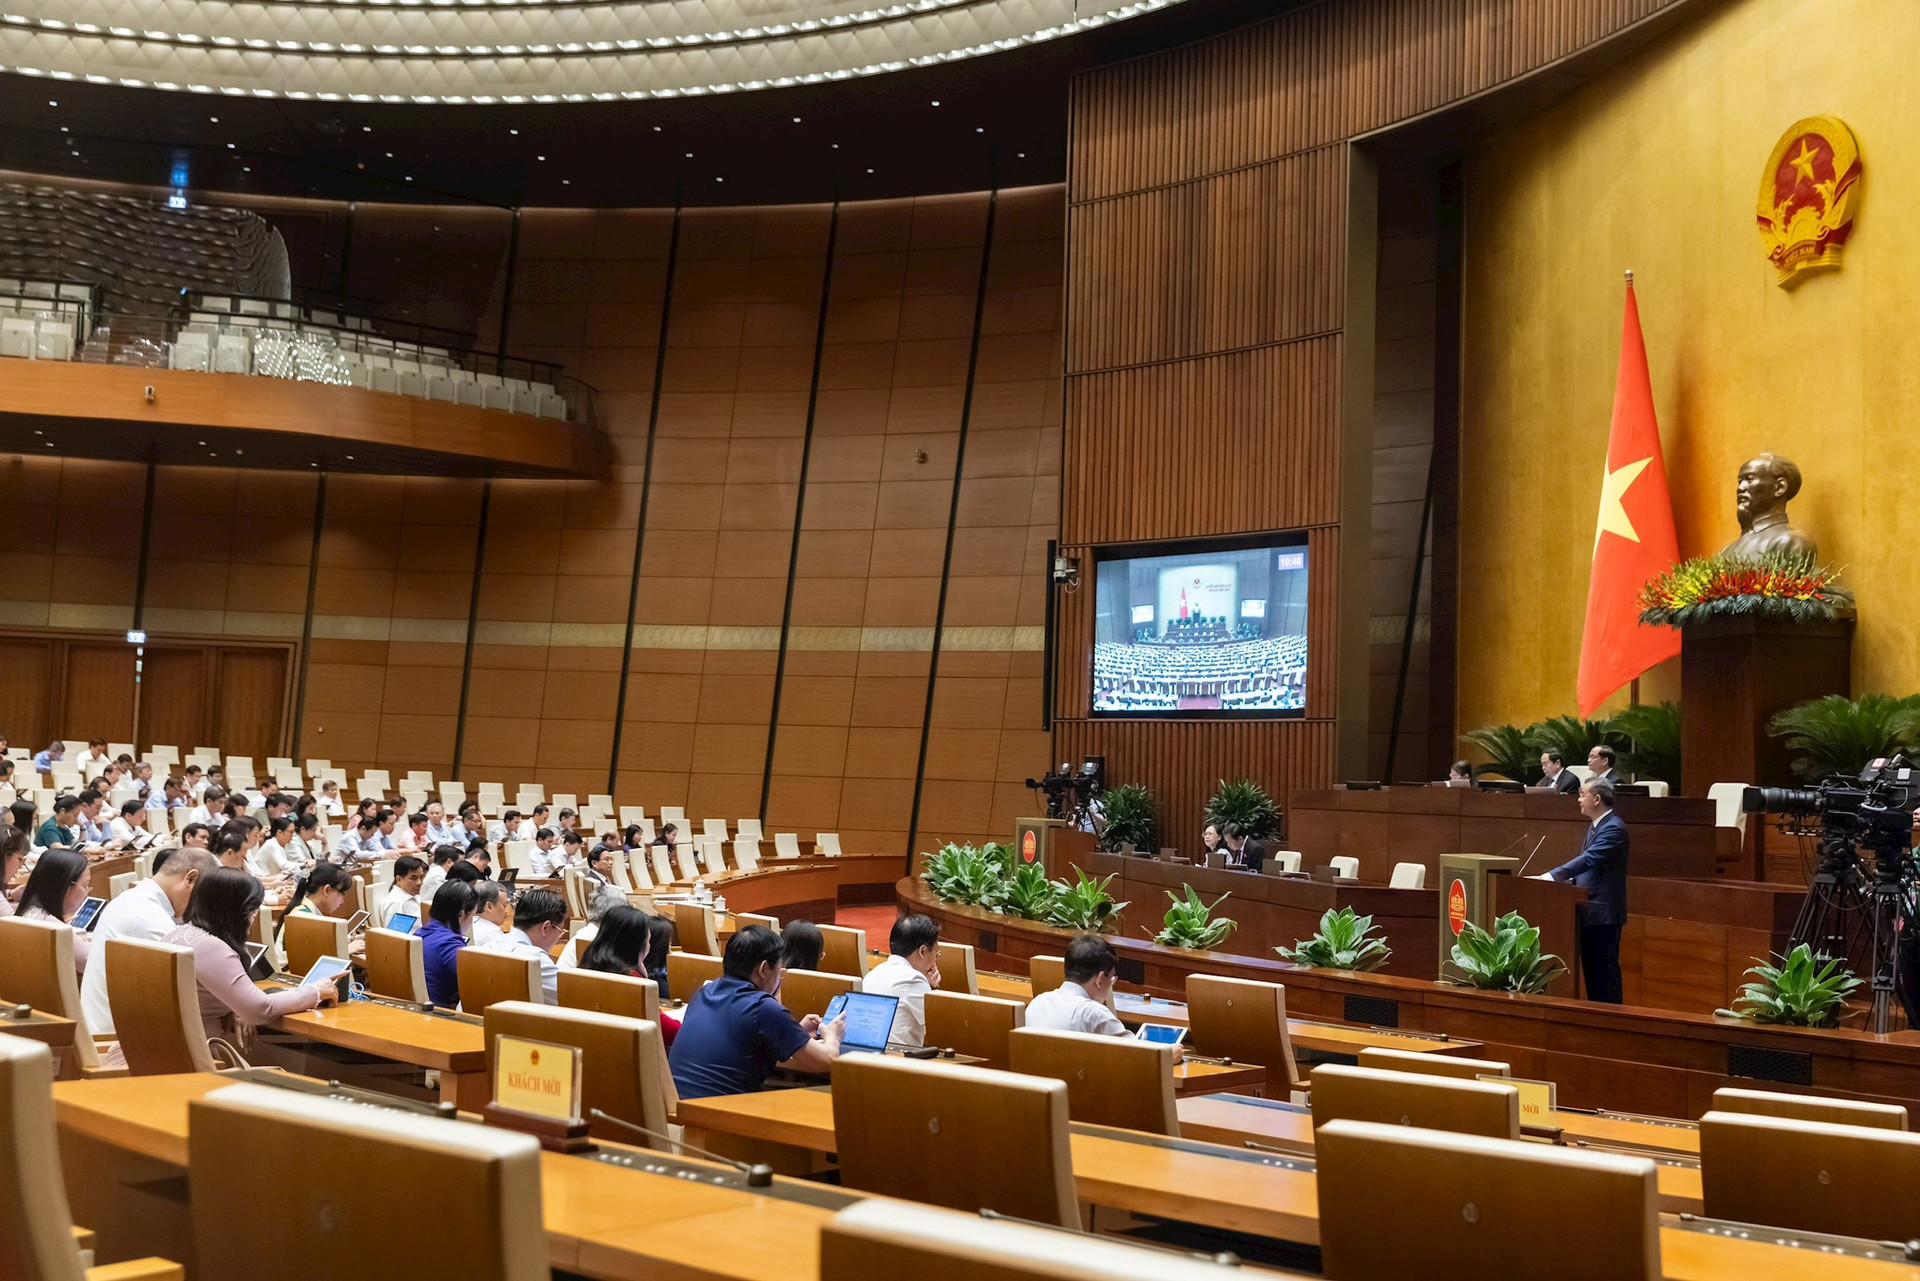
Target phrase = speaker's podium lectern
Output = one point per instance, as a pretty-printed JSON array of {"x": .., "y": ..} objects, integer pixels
[
  {"x": 1483, "y": 887},
  {"x": 1050, "y": 843}
]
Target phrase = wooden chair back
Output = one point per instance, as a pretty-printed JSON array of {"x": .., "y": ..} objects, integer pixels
[
  {"x": 1342, "y": 1093},
  {"x": 1431, "y": 1064},
  {"x": 885, "y": 1238},
  {"x": 977, "y": 1026},
  {"x": 806, "y": 992},
  {"x": 967, "y": 1138},
  {"x": 1243, "y": 1020},
  {"x": 36, "y": 968},
  {"x": 1807, "y": 1107},
  {"x": 36, "y": 1234},
  {"x": 357, "y": 1164},
  {"x": 487, "y": 976},
  {"x": 845, "y": 951},
  {"x": 743, "y": 919},
  {"x": 1466, "y": 1206},
  {"x": 1851, "y": 1180},
  {"x": 1045, "y": 973},
  {"x": 687, "y": 971},
  {"x": 684, "y": 861},
  {"x": 155, "y": 1000},
  {"x": 622, "y": 994},
  {"x": 1111, "y": 1080},
  {"x": 957, "y": 972},
  {"x": 396, "y": 966},
  {"x": 307, "y": 938},
  {"x": 623, "y": 1067},
  {"x": 694, "y": 923},
  {"x": 662, "y": 865}
]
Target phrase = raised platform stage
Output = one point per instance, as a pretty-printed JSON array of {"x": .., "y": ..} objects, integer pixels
[{"x": 1624, "y": 1058}]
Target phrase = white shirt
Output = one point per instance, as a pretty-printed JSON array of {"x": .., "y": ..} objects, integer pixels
[
  {"x": 272, "y": 858},
  {"x": 436, "y": 877},
  {"x": 516, "y": 943},
  {"x": 485, "y": 933},
  {"x": 142, "y": 913},
  {"x": 201, "y": 814},
  {"x": 1068, "y": 1008},
  {"x": 395, "y": 900},
  {"x": 349, "y": 843},
  {"x": 330, "y": 805},
  {"x": 540, "y": 862},
  {"x": 894, "y": 977},
  {"x": 120, "y": 830}
]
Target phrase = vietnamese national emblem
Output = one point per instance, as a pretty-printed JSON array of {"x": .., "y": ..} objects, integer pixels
[{"x": 1807, "y": 196}]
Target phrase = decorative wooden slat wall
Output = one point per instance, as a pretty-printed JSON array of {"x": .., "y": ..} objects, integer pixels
[{"x": 1205, "y": 347}]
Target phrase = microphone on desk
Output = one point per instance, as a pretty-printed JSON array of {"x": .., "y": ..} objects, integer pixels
[
  {"x": 759, "y": 1174},
  {"x": 1536, "y": 849}
]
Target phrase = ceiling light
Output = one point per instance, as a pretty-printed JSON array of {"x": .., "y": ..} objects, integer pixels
[
  {"x": 363, "y": 129},
  {"x": 689, "y": 155},
  {"x": 656, "y": 128},
  {"x": 566, "y": 182},
  {"x": 719, "y": 179},
  {"x": 214, "y": 119},
  {"x": 229, "y": 146},
  {"x": 52, "y": 103},
  {"x": 349, "y": 457},
  {"x": 796, "y": 120},
  {"x": 64, "y": 129},
  {"x": 869, "y": 171},
  {"x": 246, "y": 168},
  {"x": 936, "y": 102},
  {"x": 514, "y": 132},
  {"x": 979, "y": 129},
  {"x": 389, "y": 155},
  {"x": 201, "y": 443}
]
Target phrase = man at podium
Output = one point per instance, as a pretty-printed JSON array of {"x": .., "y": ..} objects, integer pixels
[{"x": 1601, "y": 870}]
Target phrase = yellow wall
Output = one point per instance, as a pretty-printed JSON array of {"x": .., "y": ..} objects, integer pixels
[{"x": 1655, "y": 167}]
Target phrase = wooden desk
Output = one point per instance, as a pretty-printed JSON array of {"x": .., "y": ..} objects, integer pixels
[
  {"x": 453, "y": 1047},
  {"x": 48, "y": 1029},
  {"x": 611, "y": 1223},
  {"x": 1232, "y": 1121},
  {"x": 1310, "y": 1038},
  {"x": 1216, "y": 1187}
]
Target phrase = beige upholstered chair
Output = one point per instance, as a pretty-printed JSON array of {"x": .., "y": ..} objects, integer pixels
[
  {"x": 487, "y": 976},
  {"x": 622, "y": 994},
  {"x": 307, "y": 938},
  {"x": 623, "y": 1068},
  {"x": 688, "y": 971},
  {"x": 36, "y": 968},
  {"x": 156, "y": 1007},
  {"x": 957, "y": 972},
  {"x": 37, "y": 1243},
  {"x": 845, "y": 952},
  {"x": 1408, "y": 876},
  {"x": 806, "y": 992},
  {"x": 396, "y": 966},
  {"x": 356, "y": 1166},
  {"x": 1402, "y": 1098},
  {"x": 743, "y": 919},
  {"x": 694, "y": 924},
  {"x": 1045, "y": 973},
  {"x": 1111, "y": 1080},
  {"x": 1810, "y": 1107},
  {"x": 967, "y": 1138},
  {"x": 1485, "y": 1206},
  {"x": 976, "y": 1026}
]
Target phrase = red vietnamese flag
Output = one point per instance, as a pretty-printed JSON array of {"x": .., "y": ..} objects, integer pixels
[{"x": 1633, "y": 540}]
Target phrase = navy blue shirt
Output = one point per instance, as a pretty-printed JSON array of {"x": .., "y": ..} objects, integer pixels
[
  {"x": 731, "y": 1038},
  {"x": 440, "y": 957}
]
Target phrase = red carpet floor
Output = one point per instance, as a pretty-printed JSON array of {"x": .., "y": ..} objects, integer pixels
[{"x": 877, "y": 921}]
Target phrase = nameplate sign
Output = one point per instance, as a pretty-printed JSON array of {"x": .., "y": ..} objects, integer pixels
[
  {"x": 1537, "y": 1098},
  {"x": 536, "y": 1078}
]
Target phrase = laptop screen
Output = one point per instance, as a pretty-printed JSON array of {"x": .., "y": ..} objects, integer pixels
[{"x": 869, "y": 1020}]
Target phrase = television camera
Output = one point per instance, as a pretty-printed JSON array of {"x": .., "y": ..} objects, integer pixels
[
  {"x": 1863, "y": 901},
  {"x": 1073, "y": 796}
]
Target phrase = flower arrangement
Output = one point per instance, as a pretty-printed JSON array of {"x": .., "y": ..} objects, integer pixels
[{"x": 1784, "y": 585}]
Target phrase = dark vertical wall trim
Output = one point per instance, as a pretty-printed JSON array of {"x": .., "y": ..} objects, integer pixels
[
  {"x": 1049, "y": 641},
  {"x": 146, "y": 545},
  {"x": 953, "y": 516},
  {"x": 506, "y": 293},
  {"x": 473, "y": 622},
  {"x": 346, "y": 255},
  {"x": 306, "y": 619},
  {"x": 799, "y": 505},
  {"x": 646, "y": 493},
  {"x": 1444, "y": 596}
]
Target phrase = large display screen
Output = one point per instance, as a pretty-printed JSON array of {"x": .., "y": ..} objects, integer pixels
[{"x": 1208, "y": 629}]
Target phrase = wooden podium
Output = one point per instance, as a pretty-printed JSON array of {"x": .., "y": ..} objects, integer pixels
[
  {"x": 1735, "y": 674},
  {"x": 1052, "y": 844}
]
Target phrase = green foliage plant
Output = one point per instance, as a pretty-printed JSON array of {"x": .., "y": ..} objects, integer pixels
[
  {"x": 1190, "y": 922},
  {"x": 1244, "y": 802},
  {"x": 1507, "y": 958},
  {"x": 1836, "y": 734},
  {"x": 1345, "y": 941},
  {"x": 965, "y": 875},
  {"x": 1572, "y": 737},
  {"x": 1508, "y": 752},
  {"x": 1029, "y": 894},
  {"x": 1652, "y": 733},
  {"x": 1085, "y": 904},
  {"x": 1132, "y": 817},
  {"x": 1804, "y": 990}
]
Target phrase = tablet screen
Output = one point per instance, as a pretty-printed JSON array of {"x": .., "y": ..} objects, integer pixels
[
  {"x": 869, "y": 1021},
  {"x": 402, "y": 922},
  {"x": 1161, "y": 1034},
  {"x": 325, "y": 970},
  {"x": 83, "y": 919}
]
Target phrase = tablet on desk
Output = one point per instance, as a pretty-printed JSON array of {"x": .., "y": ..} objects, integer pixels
[
  {"x": 258, "y": 967},
  {"x": 1161, "y": 1034},
  {"x": 357, "y": 922},
  {"x": 402, "y": 922},
  {"x": 82, "y": 920},
  {"x": 327, "y": 969},
  {"x": 869, "y": 1021}
]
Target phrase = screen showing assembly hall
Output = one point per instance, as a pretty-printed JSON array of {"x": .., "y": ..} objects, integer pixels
[{"x": 1199, "y": 631}]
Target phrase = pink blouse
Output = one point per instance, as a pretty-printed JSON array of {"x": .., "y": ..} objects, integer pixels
[{"x": 228, "y": 995}]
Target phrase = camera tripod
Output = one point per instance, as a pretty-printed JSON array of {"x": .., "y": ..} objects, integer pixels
[{"x": 1848, "y": 915}]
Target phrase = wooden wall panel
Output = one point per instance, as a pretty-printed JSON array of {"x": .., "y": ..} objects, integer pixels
[
  {"x": 1218, "y": 377},
  {"x": 99, "y": 689},
  {"x": 26, "y": 695}
]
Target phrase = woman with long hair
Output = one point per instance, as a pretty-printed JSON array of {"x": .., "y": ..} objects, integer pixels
[
  {"x": 621, "y": 947},
  {"x": 13, "y": 853},
  {"x": 660, "y": 938},
  {"x": 804, "y": 944},
  {"x": 218, "y": 917},
  {"x": 58, "y": 885},
  {"x": 449, "y": 918}
]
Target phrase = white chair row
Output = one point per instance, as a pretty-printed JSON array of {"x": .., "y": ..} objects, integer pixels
[{"x": 46, "y": 338}]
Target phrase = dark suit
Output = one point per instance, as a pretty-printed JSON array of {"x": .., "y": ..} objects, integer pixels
[
  {"x": 1567, "y": 783},
  {"x": 1252, "y": 855},
  {"x": 1601, "y": 870}
]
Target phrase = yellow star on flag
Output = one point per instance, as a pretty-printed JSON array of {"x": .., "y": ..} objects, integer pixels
[{"x": 1613, "y": 512}]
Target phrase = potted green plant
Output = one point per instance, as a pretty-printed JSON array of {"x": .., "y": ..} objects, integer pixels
[
  {"x": 1084, "y": 905},
  {"x": 1190, "y": 922},
  {"x": 1570, "y": 736},
  {"x": 963, "y": 874},
  {"x": 1506, "y": 958},
  {"x": 1344, "y": 942},
  {"x": 1132, "y": 817},
  {"x": 1029, "y": 894},
  {"x": 1804, "y": 990},
  {"x": 1652, "y": 731},
  {"x": 1508, "y": 752},
  {"x": 1244, "y": 802},
  {"x": 1837, "y": 734}
]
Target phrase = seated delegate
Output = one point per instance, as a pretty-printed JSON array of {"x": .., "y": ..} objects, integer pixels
[
  {"x": 539, "y": 926},
  {"x": 59, "y": 883},
  {"x": 218, "y": 917},
  {"x": 735, "y": 1033},
  {"x": 1080, "y": 1003},
  {"x": 620, "y": 947},
  {"x": 449, "y": 919},
  {"x": 910, "y": 972}
]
